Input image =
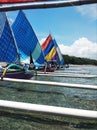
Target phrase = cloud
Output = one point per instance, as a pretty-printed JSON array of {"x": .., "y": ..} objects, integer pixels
[
  {"x": 42, "y": 40},
  {"x": 10, "y": 21},
  {"x": 90, "y": 11},
  {"x": 80, "y": 48}
]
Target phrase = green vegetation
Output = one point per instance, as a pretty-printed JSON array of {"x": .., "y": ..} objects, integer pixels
[{"x": 79, "y": 61}]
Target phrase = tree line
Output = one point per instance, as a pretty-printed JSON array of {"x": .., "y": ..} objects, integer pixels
[{"x": 79, "y": 61}]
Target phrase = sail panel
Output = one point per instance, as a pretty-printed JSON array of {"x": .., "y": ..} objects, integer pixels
[
  {"x": 27, "y": 41},
  {"x": 59, "y": 52},
  {"x": 49, "y": 47},
  {"x": 40, "y": 59},
  {"x": 8, "y": 50},
  {"x": 36, "y": 54},
  {"x": 51, "y": 54},
  {"x": 55, "y": 57},
  {"x": 46, "y": 42}
]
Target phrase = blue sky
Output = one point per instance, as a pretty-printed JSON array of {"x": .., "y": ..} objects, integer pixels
[{"x": 72, "y": 27}]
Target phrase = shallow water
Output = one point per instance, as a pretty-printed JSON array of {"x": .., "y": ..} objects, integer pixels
[{"x": 50, "y": 95}]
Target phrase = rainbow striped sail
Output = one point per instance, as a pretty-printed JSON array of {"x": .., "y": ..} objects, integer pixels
[
  {"x": 52, "y": 51},
  {"x": 27, "y": 41},
  {"x": 8, "y": 49}
]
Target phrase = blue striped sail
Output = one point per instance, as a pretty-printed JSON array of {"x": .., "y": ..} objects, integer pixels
[
  {"x": 8, "y": 49},
  {"x": 27, "y": 41},
  {"x": 61, "y": 60},
  {"x": 48, "y": 48}
]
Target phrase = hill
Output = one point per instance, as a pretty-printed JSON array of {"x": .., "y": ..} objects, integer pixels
[{"x": 78, "y": 60}]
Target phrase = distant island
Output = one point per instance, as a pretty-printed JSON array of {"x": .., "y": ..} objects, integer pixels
[{"x": 79, "y": 61}]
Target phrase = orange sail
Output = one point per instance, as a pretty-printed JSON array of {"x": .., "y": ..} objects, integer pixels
[{"x": 75, "y": 2}]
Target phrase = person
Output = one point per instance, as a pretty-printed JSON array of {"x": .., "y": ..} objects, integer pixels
[
  {"x": 31, "y": 66},
  {"x": 25, "y": 66},
  {"x": 4, "y": 70},
  {"x": 1, "y": 68},
  {"x": 67, "y": 66}
]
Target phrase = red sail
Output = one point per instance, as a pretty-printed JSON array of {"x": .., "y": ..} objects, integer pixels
[
  {"x": 16, "y": 1},
  {"x": 46, "y": 42},
  {"x": 72, "y": 1}
]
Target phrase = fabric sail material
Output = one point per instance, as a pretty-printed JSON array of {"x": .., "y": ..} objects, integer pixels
[
  {"x": 47, "y": 45},
  {"x": 27, "y": 41},
  {"x": 49, "y": 49},
  {"x": 52, "y": 51},
  {"x": 61, "y": 60},
  {"x": 46, "y": 42},
  {"x": 51, "y": 54},
  {"x": 8, "y": 49}
]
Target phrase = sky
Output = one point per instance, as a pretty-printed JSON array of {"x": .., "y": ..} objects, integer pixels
[{"x": 74, "y": 28}]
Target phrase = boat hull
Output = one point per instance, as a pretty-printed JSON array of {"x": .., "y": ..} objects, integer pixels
[
  {"x": 18, "y": 75},
  {"x": 47, "y": 70}
]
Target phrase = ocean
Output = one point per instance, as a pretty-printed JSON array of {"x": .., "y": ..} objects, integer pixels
[{"x": 54, "y": 96}]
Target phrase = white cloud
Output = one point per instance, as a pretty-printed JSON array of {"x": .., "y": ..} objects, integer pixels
[
  {"x": 90, "y": 11},
  {"x": 10, "y": 21},
  {"x": 81, "y": 48},
  {"x": 42, "y": 40}
]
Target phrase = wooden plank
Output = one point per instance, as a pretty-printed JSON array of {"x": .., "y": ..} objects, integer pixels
[
  {"x": 49, "y": 4},
  {"x": 56, "y": 84},
  {"x": 49, "y": 109},
  {"x": 67, "y": 75}
]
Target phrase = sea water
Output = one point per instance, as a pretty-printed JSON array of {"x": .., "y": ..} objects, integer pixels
[{"x": 50, "y": 95}]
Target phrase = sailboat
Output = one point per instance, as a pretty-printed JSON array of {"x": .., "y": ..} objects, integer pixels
[
  {"x": 52, "y": 53},
  {"x": 27, "y": 41},
  {"x": 46, "y": 48},
  {"x": 60, "y": 57},
  {"x": 9, "y": 53}
]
